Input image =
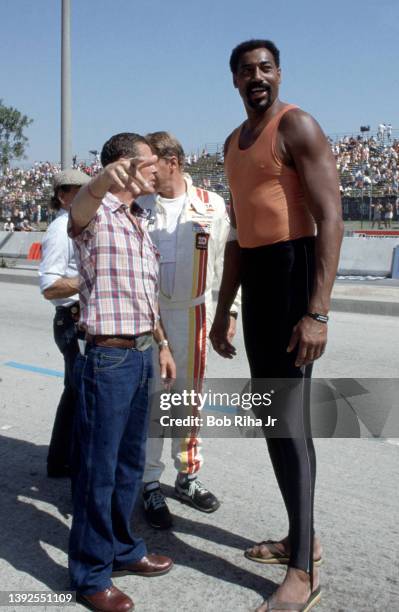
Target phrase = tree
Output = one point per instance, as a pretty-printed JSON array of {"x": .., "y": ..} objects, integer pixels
[{"x": 12, "y": 138}]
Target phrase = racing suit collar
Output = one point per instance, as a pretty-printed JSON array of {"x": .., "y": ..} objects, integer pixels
[
  {"x": 195, "y": 201},
  {"x": 193, "y": 198}
]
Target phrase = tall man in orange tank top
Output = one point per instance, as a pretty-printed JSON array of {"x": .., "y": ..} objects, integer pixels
[{"x": 287, "y": 213}]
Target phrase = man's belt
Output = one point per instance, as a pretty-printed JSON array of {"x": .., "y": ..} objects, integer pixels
[
  {"x": 140, "y": 342},
  {"x": 73, "y": 308}
]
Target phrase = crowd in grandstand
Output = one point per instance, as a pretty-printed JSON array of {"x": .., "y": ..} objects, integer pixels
[
  {"x": 368, "y": 166},
  {"x": 24, "y": 194}
]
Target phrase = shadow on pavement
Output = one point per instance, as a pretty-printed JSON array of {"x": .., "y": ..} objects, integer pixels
[
  {"x": 26, "y": 527},
  {"x": 207, "y": 563},
  {"x": 23, "y": 483}
]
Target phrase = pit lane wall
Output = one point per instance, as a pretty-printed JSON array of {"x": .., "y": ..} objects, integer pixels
[
  {"x": 367, "y": 255},
  {"x": 361, "y": 254},
  {"x": 18, "y": 244}
]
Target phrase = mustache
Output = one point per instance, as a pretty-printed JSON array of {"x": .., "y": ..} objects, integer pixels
[{"x": 258, "y": 85}]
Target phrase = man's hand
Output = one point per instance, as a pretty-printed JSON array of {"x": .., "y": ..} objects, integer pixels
[
  {"x": 122, "y": 175},
  {"x": 167, "y": 367},
  {"x": 125, "y": 174},
  {"x": 311, "y": 336},
  {"x": 231, "y": 332},
  {"x": 221, "y": 334}
]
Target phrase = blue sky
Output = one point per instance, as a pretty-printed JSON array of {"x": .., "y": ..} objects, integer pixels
[{"x": 163, "y": 64}]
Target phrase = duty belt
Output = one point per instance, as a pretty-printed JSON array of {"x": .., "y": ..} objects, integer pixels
[{"x": 73, "y": 310}]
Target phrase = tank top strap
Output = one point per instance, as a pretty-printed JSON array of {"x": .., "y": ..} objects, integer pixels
[
  {"x": 235, "y": 137},
  {"x": 272, "y": 129},
  {"x": 272, "y": 126},
  {"x": 278, "y": 116}
]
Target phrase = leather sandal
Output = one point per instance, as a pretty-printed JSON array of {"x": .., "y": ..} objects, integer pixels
[
  {"x": 313, "y": 600},
  {"x": 278, "y": 557}
]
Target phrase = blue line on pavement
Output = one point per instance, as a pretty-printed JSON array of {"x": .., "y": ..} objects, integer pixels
[
  {"x": 35, "y": 369},
  {"x": 58, "y": 374}
]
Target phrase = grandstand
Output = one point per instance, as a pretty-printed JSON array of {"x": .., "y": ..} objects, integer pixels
[{"x": 368, "y": 169}]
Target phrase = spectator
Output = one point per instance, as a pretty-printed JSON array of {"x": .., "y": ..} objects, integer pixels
[
  {"x": 9, "y": 225},
  {"x": 25, "y": 225},
  {"x": 377, "y": 215},
  {"x": 388, "y": 215}
]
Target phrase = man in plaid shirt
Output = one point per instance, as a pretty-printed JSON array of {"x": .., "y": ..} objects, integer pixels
[{"x": 118, "y": 267}]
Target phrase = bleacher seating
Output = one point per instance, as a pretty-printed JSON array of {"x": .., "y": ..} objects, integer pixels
[{"x": 368, "y": 168}]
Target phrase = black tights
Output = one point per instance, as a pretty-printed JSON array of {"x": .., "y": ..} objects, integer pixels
[{"x": 276, "y": 284}]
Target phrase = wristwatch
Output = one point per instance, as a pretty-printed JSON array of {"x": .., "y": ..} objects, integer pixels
[
  {"x": 321, "y": 318},
  {"x": 234, "y": 314},
  {"x": 163, "y": 344}
]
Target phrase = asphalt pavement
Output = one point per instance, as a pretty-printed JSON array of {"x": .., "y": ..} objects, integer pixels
[{"x": 357, "y": 499}]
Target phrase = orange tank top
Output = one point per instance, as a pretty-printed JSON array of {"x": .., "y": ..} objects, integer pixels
[{"x": 268, "y": 199}]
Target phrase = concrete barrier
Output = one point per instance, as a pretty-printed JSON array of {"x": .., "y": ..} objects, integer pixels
[
  {"x": 395, "y": 263},
  {"x": 360, "y": 255},
  {"x": 18, "y": 244},
  {"x": 367, "y": 256}
]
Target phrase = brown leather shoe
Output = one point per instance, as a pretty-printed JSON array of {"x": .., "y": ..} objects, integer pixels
[
  {"x": 151, "y": 565},
  {"x": 110, "y": 600}
]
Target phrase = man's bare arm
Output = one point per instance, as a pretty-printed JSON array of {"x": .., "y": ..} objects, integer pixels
[
  {"x": 231, "y": 279},
  {"x": 62, "y": 288},
  {"x": 166, "y": 362},
  {"x": 313, "y": 159},
  {"x": 159, "y": 332},
  {"x": 121, "y": 175},
  {"x": 306, "y": 148}
]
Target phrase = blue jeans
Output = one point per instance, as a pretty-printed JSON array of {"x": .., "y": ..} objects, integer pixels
[
  {"x": 65, "y": 336},
  {"x": 108, "y": 461}
]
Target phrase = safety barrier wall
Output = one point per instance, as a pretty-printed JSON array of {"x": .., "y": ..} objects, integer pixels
[
  {"x": 367, "y": 255},
  {"x": 359, "y": 255},
  {"x": 18, "y": 244}
]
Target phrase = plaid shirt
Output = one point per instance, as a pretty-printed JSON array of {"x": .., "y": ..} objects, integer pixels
[{"x": 118, "y": 265}]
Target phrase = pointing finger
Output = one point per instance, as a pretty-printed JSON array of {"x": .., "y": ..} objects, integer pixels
[{"x": 138, "y": 163}]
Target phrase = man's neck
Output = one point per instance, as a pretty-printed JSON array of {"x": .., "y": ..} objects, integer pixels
[
  {"x": 175, "y": 189},
  {"x": 262, "y": 118}
]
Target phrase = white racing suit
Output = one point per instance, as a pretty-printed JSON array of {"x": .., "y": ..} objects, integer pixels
[{"x": 187, "y": 314}]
